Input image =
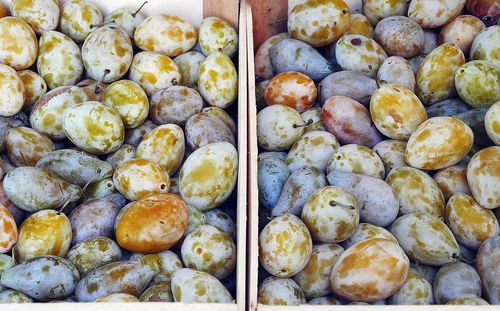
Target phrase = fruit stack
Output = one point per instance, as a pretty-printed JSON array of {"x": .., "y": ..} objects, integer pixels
[
  {"x": 379, "y": 166},
  {"x": 118, "y": 156}
]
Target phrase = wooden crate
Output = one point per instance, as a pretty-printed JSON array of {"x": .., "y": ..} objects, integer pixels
[
  {"x": 266, "y": 18},
  {"x": 193, "y": 11}
]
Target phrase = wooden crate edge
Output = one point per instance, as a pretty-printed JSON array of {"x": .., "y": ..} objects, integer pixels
[
  {"x": 261, "y": 307},
  {"x": 253, "y": 230},
  {"x": 242, "y": 197},
  {"x": 122, "y": 306}
]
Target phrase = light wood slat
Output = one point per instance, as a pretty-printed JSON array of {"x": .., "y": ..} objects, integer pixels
[
  {"x": 226, "y": 9},
  {"x": 253, "y": 200},
  {"x": 121, "y": 306},
  {"x": 243, "y": 161}
]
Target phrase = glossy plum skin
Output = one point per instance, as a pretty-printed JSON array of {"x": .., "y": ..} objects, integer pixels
[{"x": 349, "y": 121}]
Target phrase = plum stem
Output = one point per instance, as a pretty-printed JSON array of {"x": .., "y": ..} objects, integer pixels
[
  {"x": 97, "y": 88},
  {"x": 334, "y": 203},
  {"x": 309, "y": 122},
  {"x": 221, "y": 49},
  {"x": 462, "y": 258},
  {"x": 139, "y": 9},
  {"x": 87, "y": 184},
  {"x": 103, "y": 24},
  {"x": 61, "y": 210}
]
